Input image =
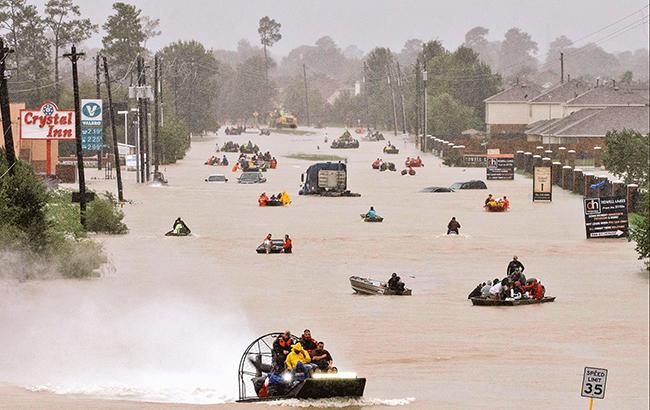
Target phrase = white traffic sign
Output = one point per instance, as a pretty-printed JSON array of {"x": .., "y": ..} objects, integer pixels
[{"x": 593, "y": 383}]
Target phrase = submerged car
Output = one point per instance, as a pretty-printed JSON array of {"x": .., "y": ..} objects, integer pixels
[
  {"x": 437, "y": 189},
  {"x": 473, "y": 184},
  {"x": 277, "y": 246},
  {"x": 251, "y": 178},
  {"x": 218, "y": 178}
]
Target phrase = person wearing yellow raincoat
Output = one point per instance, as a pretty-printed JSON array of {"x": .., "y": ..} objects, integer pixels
[
  {"x": 285, "y": 198},
  {"x": 299, "y": 363}
]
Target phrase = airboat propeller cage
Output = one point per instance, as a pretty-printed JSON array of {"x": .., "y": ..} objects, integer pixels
[{"x": 257, "y": 359}]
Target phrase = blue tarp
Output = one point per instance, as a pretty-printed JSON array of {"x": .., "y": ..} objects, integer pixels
[{"x": 598, "y": 185}]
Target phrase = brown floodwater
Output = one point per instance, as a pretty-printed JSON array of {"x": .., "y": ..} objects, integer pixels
[{"x": 170, "y": 317}]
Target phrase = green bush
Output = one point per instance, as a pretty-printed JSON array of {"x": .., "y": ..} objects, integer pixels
[
  {"x": 103, "y": 215},
  {"x": 174, "y": 140}
]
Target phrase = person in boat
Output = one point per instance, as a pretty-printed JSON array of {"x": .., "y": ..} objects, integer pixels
[
  {"x": 418, "y": 161},
  {"x": 539, "y": 291},
  {"x": 489, "y": 199},
  {"x": 477, "y": 291},
  {"x": 517, "y": 291},
  {"x": 281, "y": 348},
  {"x": 529, "y": 286},
  {"x": 496, "y": 290},
  {"x": 395, "y": 284},
  {"x": 517, "y": 275},
  {"x": 376, "y": 163},
  {"x": 505, "y": 202},
  {"x": 224, "y": 161},
  {"x": 411, "y": 171},
  {"x": 322, "y": 358},
  {"x": 485, "y": 290},
  {"x": 453, "y": 226},
  {"x": 299, "y": 363},
  {"x": 274, "y": 163},
  {"x": 263, "y": 199},
  {"x": 285, "y": 198},
  {"x": 308, "y": 343},
  {"x": 514, "y": 265},
  {"x": 371, "y": 214},
  {"x": 268, "y": 243},
  {"x": 287, "y": 247},
  {"x": 179, "y": 226}
]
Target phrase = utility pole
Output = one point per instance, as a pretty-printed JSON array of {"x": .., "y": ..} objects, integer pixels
[
  {"x": 417, "y": 98},
  {"x": 116, "y": 150},
  {"x": 400, "y": 85},
  {"x": 424, "y": 121},
  {"x": 392, "y": 96},
  {"x": 561, "y": 67},
  {"x": 365, "y": 93},
  {"x": 141, "y": 118},
  {"x": 74, "y": 56},
  {"x": 156, "y": 136},
  {"x": 160, "y": 94},
  {"x": 147, "y": 148},
  {"x": 304, "y": 75},
  {"x": 98, "y": 96},
  {"x": 5, "y": 110}
]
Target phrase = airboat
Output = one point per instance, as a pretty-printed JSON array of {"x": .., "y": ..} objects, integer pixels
[{"x": 256, "y": 363}]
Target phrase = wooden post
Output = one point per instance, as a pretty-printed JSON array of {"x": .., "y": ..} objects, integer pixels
[
  {"x": 548, "y": 153},
  {"x": 519, "y": 159},
  {"x": 562, "y": 155},
  {"x": 537, "y": 161},
  {"x": 566, "y": 174},
  {"x": 598, "y": 162},
  {"x": 556, "y": 173},
  {"x": 528, "y": 162},
  {"x": 539, "y": 150},
  {"x": 618, "y": 189},
  {"x": 571, "y": 158},
  {"x": 588, "y": 180},
  {"x": 578, "y": 181},
  {"x": 632, "y": 197}
]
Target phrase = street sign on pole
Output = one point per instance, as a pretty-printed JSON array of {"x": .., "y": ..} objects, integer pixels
[{"x": 594, "y": 381}]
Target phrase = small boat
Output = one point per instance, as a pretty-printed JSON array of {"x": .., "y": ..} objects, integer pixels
[
  {"x": 511, "y": 302},
  {"x": 391, "y": 149},
  {"x": 368, "y": 219},
  {"x": 495, "y": 207},
  {"x": 367, "y": 286},
  {"x": 277, "y": 246}
]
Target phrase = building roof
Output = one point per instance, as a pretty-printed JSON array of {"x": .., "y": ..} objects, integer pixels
[
  {"x": 610, "y": 96},
  {"x": 608, "y": 119},
  {"x": 516, "y": 93},
  {"x": 562, "y": 92}
]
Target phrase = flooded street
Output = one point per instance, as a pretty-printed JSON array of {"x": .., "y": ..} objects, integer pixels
[{"x": 170, "y": 317}]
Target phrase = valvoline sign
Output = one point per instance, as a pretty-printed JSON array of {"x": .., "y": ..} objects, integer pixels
[{"x": 91, "y": 112}]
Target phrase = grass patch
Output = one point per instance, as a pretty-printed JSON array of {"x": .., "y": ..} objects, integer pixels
[{"x": 315, "y": 157}]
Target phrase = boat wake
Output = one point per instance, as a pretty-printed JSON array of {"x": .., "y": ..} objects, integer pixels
[
  {"x": 184, "y": 395},
  {"x": 340, "y": 402}
]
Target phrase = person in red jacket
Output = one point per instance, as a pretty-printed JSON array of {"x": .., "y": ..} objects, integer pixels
[
  {"x": 263, "y": 199},
  {"x": 539, "y": 291},
  {"x": 288, "y": 245}
]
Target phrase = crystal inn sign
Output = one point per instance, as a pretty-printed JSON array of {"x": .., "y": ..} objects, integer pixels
[{"x": 48, "y": 123}]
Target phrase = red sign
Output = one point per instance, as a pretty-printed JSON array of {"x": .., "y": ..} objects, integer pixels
[{"x": 48, "y": 122}]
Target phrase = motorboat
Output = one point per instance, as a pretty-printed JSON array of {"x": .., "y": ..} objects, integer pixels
[{"x": 367, "y": 286}]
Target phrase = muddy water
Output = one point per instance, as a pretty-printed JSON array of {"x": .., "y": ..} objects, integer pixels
[{"x": 171, "y": 316}]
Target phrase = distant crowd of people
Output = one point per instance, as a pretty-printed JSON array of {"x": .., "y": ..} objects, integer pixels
[{"x": 514, "y": 286}]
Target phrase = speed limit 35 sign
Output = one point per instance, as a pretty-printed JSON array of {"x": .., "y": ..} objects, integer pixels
[{"x": 593, "y": 383}]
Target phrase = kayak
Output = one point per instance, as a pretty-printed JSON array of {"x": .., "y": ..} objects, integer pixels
[
  {"x": 512, "y": 302},
  {"x": 367, "y": 286}
]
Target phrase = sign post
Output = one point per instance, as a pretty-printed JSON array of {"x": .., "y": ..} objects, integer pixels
[
  {"x": 92, "y": 138},
  {"x": 542, "y": 184},
  {"x": 500, "y": 167},
  {"x": 594, "y": 381},
  {"x": 606, "y": 217}
]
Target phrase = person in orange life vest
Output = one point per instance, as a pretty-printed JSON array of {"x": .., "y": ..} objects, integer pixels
[
  {"x": 287, "y": 247},
  {"x": 281, "y": 348},
  {"x": 539, "y": 291},
  {"x": 263, "y": 199}
]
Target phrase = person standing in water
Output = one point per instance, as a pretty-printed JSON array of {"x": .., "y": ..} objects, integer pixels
[{"x": 453, "y": 226}]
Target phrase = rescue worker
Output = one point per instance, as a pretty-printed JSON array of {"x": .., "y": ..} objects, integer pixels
[
  {"x": 263, "y": 199},
  {"x": 376, "y": 163},
  {"x": 453, "y": 226},
  {"x": 307, "y": 342},
  {"x": 539, "y": 291},
  {"x": 287, "y": 247},
  {"x": 285, "y": 198},
  {"x": 489, "y": 199},
  {"x": 514, "y": 265},
  {"x": 268, "y": 243},
  {"x": 506, "y": 203},
  {"x": 372, "y": 214},
  {"x": 281, "y": 348}
]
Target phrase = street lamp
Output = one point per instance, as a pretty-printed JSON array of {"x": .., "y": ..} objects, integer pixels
[{"x": 126, "y": 132}]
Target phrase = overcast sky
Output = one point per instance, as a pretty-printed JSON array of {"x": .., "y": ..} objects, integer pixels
[{"x": 370, "y": 23}]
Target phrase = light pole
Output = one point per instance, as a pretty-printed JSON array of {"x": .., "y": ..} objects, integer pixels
[
  {"x": 137, "y": 144},
  {"x": 126, "y": 127}
]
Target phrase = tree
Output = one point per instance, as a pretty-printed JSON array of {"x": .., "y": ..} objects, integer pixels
[
  {"x": 378, "y": 89},
  {"x": 62, "y": 18},
  {"x": 626, "y": 78},
  {"x": 293, "y": 100},
  {"x": 448, "y": 117},
  {"x": 124, "y": 39},
  {"x": 11, "y": 20},
  {"x": 269, "y": 31},
  {"x": 35, "y": 52},
  {"x": 626, "y": 156},
  {"x": 410, "y": 52},
  {"x": 192, "y": 86},
  {"x": 517, "y": 53},
  {"x": 247, "y": 91},
  {"x": 487, "y": 50}
]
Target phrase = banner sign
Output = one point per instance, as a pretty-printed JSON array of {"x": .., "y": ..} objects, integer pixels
[
  {"x": 91, "y": 125},
  {"x": 500, "y": 167},
  {"x": 606, "y": 217},
  {"x": 48, "y": 122},
  {"x": 542, "y": 184},
  {"x": 470, "y": 160}
]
